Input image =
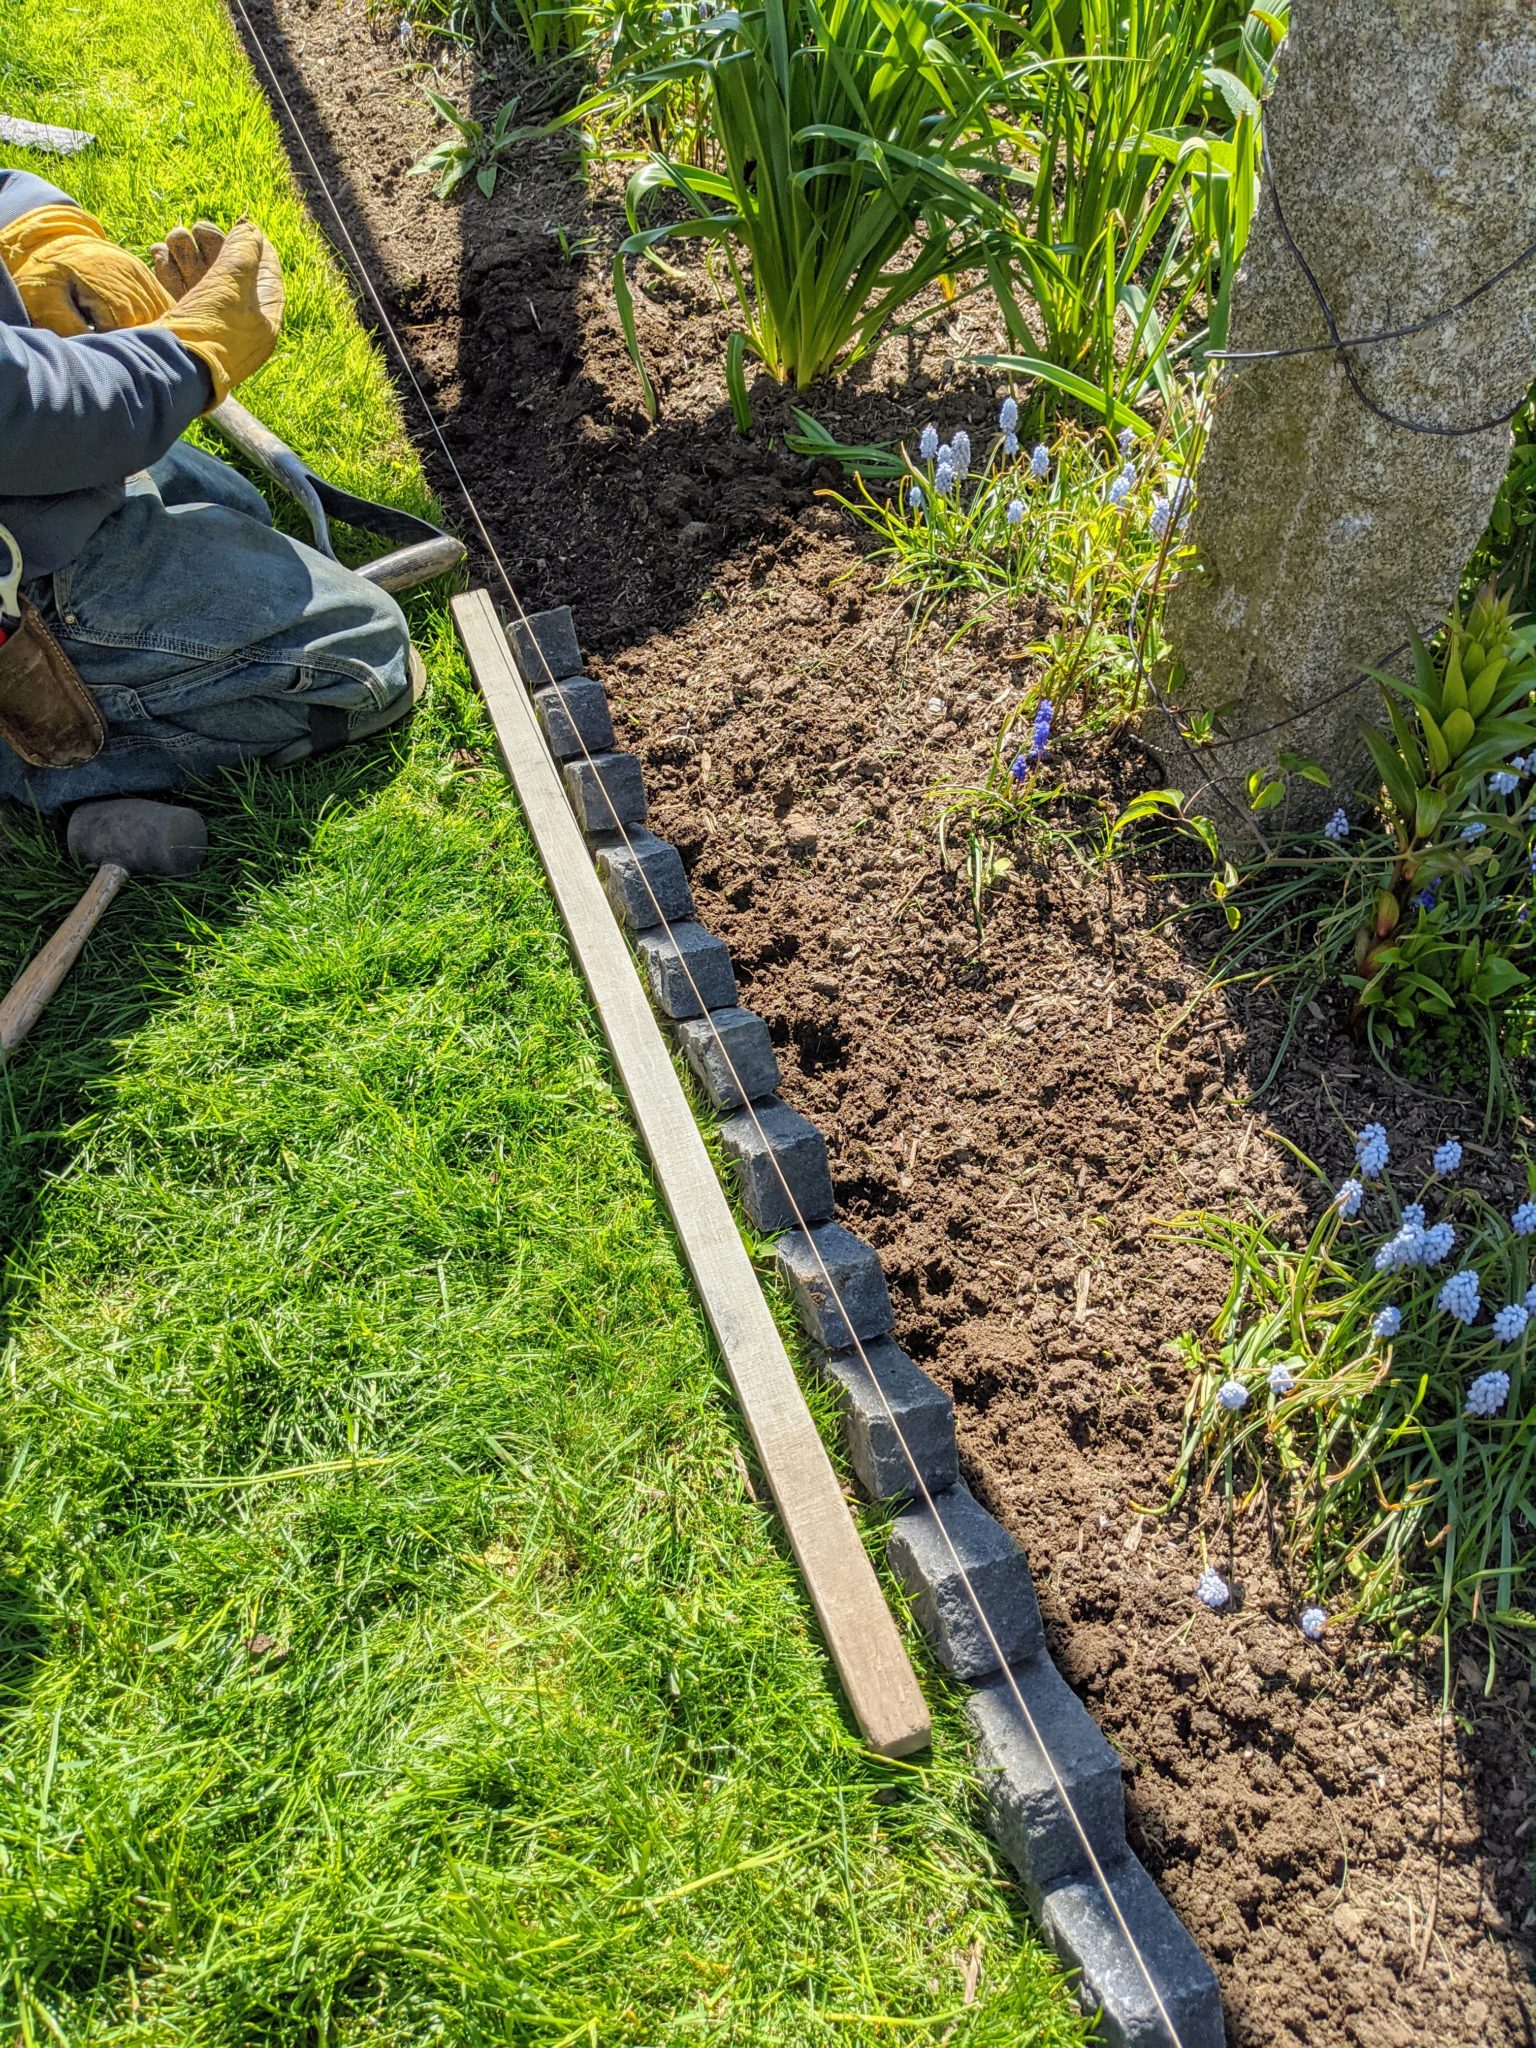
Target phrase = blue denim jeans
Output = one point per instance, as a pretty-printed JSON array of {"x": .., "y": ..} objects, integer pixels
[{"x": 207, "y": 638}]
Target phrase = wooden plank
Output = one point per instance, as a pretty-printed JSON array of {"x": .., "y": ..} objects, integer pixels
[{"x": 877, "y": 1675}]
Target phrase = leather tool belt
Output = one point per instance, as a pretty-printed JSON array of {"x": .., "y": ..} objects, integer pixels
[{"x": 47, "y": 715}]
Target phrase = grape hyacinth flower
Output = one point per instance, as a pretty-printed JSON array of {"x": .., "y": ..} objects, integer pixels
[
  {"x": 1405, "y": 1249},
  {"x": 1372, "y": 1150},
  {"x": 1015, "y": 513},
  {"x": 945, "y": 477},
  {"x": 1447, "y": 1157},
  {"x": 1010, "y": 444},
  {"x": 1008, "y": 415},
  {"x": 1501, "y": 782},
  {"x": 915, "y": 498},
  {"x": 1473, "y": 830},
  {"x": 1459, "y": 1297},
  {"x": 1387, "y": 1321},
  {"x": 960, "y": 452},
  {"x": 1120, "y": 488},
  {"x": 1337, "y": 826},
  {"x": 1125, "y": 440},
  {"x": 1429, "y": 895},
  {"x": 928, "y": 443},
  {"x": 1413, "y": 1215},
  {"x": 1161, "y": 513},
  {"x": 1040, "y": 733},
  {"x": 1509, "y": 1324},
  {"x": 1530, "y": 1299},
  {"x": 1282, "y": 1380},
  {"x": 1233, "y": 1396},
  {"x": 1020, "y": 769},
  {"x": 1438, "y": 1243},
  {"x": 1347, "y": 1198},
  {"x": 1212, "y": 1590},
  {"x": 1523, "y": 1222},
  {"x": 1040, "y": 463},
  {"x": 1488, "y": 1393},
  {"x": 1313, "y": 1622}
]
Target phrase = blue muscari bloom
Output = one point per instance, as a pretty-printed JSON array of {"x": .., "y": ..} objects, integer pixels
[
  {"x": 1313, "y": 1621},
  {"x": 1020, "y": 769},
  {"x": 1010, "y": 444},
  {"x": 1510, "y": 1322},
  {"x": 1438, "y": 1244},
  {"x": 1120, "y": 489},
  {"x": 1530, "y": 1299},
  {"x": 960, "y": 451},
  {"x": 1447, "y": 1157},
  {"x": 1337, "y": 826},
  {"x": 915, "y": 498},
  {"x": 928, "y": 443},
  {"x": 1501, "y": 782},
  {"x": 1459, "y": 1297},
  {"x": 1040, "y": 733},
  {"x": 1040, "y": 469},
  {"x": 1533, "y": 860},
  {"x": 1523, "y": 1222},
  {"x": 1015, "y": 513},
  {"x": 1008, "y": 415},
  {"x": 1405, "y": 1249},
  {"x": 1212, "y": 1590},
  {"x": 1474, "y": 830},
  {"x": 1413, "y": 1215},
  {"x": 1161, "y": 513},
  {"x": 1281, "y": 1379},
  {"x": 1429, "y": 895},
  {"x": 1488, "y": 1393},
  {"x": 1522, "y": 762},
  {"x": 1387, "y": 1321},
  {"x": 1348, "y": 1197},
  {"x": 945, "y": 478},
  {"x": 1233, "y": 1396},
  {"x": 1125, "y": 440},
  {"x": 665, "y": 17},
  {"x": 1371, "y": 1150}
]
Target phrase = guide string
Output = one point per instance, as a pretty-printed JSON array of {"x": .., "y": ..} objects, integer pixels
[
  {"x": 1340, "y": 346},
  {"x": 365, "y": 282}
]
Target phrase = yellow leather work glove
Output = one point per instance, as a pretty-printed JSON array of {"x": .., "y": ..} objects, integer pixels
[
  {"x": 186, "y": 256},
  {"x": 73, "y": 279},
  {"x": 230, "y": 317}
]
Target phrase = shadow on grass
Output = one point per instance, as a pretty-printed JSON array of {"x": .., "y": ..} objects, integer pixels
[{"x": 139, "y": 960}]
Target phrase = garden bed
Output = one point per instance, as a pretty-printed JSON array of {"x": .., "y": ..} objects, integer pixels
[{"x": 1008, "y": 1123}]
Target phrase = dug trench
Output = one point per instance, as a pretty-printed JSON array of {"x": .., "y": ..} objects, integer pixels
[{"x": 1011, "y": 1119}]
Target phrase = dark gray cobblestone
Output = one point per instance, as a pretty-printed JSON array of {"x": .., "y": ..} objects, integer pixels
[
  {"x": 923, "y": 1411},
  {"x": 1083, "y": 1931},
  {"x": 979, "y": 1558},
  {"x": 644, "y": 880},
  {"x": 770, "y": 1140},
  {"x": 746, "y": 1070}
]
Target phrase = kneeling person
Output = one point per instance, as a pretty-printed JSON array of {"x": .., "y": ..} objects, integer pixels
[{"x": 205, "y": 637}]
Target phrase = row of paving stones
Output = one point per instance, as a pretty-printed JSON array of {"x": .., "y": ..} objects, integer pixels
[{"x": 968, "y": 1581}]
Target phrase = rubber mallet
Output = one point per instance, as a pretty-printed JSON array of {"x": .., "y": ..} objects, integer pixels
[{"x": 121, "y": 838}]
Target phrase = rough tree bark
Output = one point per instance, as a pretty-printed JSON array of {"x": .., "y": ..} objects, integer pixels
[{"x": 1402, "y": 152}]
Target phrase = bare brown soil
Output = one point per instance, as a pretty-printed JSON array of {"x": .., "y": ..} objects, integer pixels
[{"x": 1009, "y": 1121}]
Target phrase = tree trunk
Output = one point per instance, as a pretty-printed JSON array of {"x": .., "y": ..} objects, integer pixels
[{"x": 1402, "y": 155}]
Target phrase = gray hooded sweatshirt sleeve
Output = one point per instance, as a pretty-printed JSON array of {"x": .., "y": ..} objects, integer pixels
[{"x": 79, "y": 415}]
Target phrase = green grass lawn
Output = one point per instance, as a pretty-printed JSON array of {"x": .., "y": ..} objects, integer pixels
[{"x": 392, "y": 1651}]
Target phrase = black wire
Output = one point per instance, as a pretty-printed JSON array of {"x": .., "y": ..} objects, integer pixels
[{"x": 1337, "y": 345}]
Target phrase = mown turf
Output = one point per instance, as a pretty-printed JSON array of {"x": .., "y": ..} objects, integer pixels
[{"x": 392, "y": 1651}]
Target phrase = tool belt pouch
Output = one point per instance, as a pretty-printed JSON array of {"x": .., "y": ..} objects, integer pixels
[{"x": 47, "y": 715}]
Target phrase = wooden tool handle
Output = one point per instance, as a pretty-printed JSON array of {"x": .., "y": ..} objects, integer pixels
[{"x": 42, "y": 974}]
